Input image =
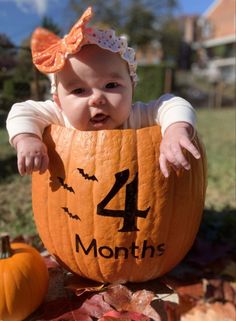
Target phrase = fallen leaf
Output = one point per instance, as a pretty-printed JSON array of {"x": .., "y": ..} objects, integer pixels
[
  {"x": 211, "y": 312},
  {"x": 219, "y": 290},
  {"x": 124, "y": 316},
  {"x": 168, "y": 311},
  {"x": 95, "y": 306},
  {"x": 79, "y": 285},
  {"x": 122, "y": 299},
  {"x": 195, "y": 291},
  {"x": 72, "y": 309}
]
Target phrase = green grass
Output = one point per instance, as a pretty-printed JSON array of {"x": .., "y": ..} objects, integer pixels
[
  {"x": 216, "y": 128},
  {"x": 15, "y": 205},
  {"x": 15, "y": 193},
  {"x": 5, "y": 149}
]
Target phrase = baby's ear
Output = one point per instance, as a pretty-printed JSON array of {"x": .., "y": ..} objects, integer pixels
[{"x": 56, "y": 100}]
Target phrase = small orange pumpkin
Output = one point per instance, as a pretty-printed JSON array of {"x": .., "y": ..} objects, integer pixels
[
  {"x": 23, "y": 280},
  {"x": 105, "y": 210}
]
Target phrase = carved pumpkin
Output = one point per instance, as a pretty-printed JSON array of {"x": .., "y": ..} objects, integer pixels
[
  {"x": 105, "y": 210},
  {"x": 23, "y": 280}
]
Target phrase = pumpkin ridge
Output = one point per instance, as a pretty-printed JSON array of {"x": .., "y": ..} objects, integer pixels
[
  {"x": 199, "y": 163},
  {"x": 168, "y": 226},
  {"x": 141, "y": 151},
  {"x": 28, "y": 285},
  {"x": 6, "y": 299},
  {"x": 61, "y": 219},
  {"x": 99, "y": 264},
  {"x": 194, "y": 218},
  {"x": 12, "y": 270},
  {"x": 48, "y": 225},
  {"x": 48, "y": 131},
  {"x": 32, "y": 283},
  {"x": 134, "y": 234},
  {"x": 5, "y": 289},
  {"x": 172, "y": 187},
  {"x": 80, "y": 263},
  {"x": 135, "y": 266},
  {"x": 68, "y": 222},
  {"x": 153, "y": 130}
]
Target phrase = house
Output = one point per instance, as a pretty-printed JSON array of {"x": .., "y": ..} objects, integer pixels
[{"x": 216, "y": 44}]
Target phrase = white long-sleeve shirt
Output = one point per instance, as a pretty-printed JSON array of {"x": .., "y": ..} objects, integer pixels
[{"x": 34, "y": 116}]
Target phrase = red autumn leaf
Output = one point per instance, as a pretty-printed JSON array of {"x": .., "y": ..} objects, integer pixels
[
  {"x": 118, "y": 296},
  {"x": 123, "y": 316},
  {"x": 122, "y": 299},
  {"x": 95, "y": 306}
]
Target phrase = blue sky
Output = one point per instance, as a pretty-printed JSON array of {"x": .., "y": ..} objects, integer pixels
[{"x": 18, "y": 18}]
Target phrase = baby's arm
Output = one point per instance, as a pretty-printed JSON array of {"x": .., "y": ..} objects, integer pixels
[
  {"x": 31, "y": 154},
  {"x": 25, "y": 124},
  {"x": 177, "y": 119},
  {"x": 176, "y": 137}
]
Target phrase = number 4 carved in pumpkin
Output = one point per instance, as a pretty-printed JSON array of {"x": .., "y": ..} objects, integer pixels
[{"x": 130, "y": 212}]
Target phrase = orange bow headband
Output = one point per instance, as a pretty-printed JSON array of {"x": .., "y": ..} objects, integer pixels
[{"x": 49, "y": 52}]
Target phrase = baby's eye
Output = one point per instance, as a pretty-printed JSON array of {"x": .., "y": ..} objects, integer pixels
[
  {"x": 112, "y": 85},
  {"x": 78, "y": 91}
]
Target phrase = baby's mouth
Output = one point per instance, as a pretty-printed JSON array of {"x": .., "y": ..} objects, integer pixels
[{"x": 99, "y": 118}]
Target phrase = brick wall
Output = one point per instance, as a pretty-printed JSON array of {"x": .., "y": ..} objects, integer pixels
[{"x": 222, "y": 18}]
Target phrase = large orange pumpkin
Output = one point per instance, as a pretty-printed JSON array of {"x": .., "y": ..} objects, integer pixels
[
  {"x": 23, "y": 280},
  {"x": 105, "y": 210}
]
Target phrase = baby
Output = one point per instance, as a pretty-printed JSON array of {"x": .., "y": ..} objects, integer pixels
[{"x": 93, "y": 80}]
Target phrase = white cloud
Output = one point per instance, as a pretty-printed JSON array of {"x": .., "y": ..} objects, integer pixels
[{"x": 40, "y": 7}]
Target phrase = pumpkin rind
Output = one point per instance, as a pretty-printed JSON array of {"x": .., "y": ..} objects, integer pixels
[
  {"x": 23, "y": 282},
  {"x": 91, "y": 174}
]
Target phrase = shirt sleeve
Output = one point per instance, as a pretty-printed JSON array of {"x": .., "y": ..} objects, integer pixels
[
  {"x": 32, "y": 117},
  {"x": 166, "y": 110},
  {"x": 171, "y": 109}
]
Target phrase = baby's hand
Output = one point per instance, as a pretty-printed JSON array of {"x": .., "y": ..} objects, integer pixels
[
  {"x": 31, "y": 154},
  {"x": 176, "y": 137}
]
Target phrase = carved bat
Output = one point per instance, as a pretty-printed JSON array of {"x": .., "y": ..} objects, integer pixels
[
  {"x": 71, "y": 215},
  {"x": 86, "y": 176},
  {"x": 64, "y": 185}
]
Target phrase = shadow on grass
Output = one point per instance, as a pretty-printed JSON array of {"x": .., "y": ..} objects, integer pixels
[
  {"x": 219, "y": 226},
  {"x": 8, "y": 167},
  {"x": 214, "y": 247}
]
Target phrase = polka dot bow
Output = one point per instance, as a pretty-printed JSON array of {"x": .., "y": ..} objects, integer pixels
[{"x": 50, "y": 52}]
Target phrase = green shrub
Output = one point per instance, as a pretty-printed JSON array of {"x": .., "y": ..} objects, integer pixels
[
  {"x": 13, "y": 91},
  {"x": 151, "y": 84},
  {"x": 8, "y": 89}
]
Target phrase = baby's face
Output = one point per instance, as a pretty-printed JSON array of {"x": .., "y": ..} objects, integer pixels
[{"x": 94, "y": 89}]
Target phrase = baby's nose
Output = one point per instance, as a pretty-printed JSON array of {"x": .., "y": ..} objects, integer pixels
[{"x": 97, "y": 99}]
